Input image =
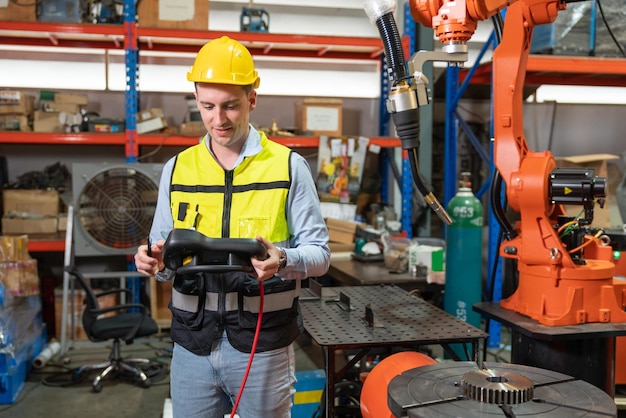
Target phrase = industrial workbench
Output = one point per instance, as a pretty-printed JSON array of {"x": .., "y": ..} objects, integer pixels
[
  {"x": 338, "y": 321},
  {"x": 349, "y": 272}
]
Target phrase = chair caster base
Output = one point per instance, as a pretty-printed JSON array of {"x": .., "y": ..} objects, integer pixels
[{"x": 145, "y": 383}]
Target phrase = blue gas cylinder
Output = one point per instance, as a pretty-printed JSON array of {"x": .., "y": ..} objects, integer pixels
[{"x": 464, "y": 255}]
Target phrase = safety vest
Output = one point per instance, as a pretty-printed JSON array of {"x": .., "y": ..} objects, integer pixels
[
  {"x": 244, "y": 202},
  {"x": 240, "y": 203}
]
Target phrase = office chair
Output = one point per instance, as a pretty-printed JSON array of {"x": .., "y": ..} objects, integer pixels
[{"x": 124, "y": 326}]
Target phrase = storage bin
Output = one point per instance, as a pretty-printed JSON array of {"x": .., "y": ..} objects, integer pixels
[
  {"x": 15, "y": 368},
  {"x": 309, "y": 389}
]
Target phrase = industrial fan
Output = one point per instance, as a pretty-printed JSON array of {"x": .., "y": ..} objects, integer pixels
[{"x": 113, "y": 206}]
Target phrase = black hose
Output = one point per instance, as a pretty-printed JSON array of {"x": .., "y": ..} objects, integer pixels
[
  {"x": 417, "y": 176},
  {"x": 394, "y": 53},
  {"x": 407, "y": 124},
  {"x": 406, "y": 119},
  {"x": 496, "y": 205},
  {"x": 498, "y": 25}
]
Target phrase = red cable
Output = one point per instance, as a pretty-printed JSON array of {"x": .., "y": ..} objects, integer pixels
[{"x": 256, "y": 339}]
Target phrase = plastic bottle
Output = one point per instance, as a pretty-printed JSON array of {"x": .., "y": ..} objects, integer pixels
[{"x": 464, "y": 255}]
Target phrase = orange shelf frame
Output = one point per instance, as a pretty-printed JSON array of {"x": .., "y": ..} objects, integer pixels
[
  {"x": 108, "y": 36},
  {"x": 565, "y": 70},
  {"x": 46, "y": 246},
  {"x": 105, "y": 36},
  {"x": 85, "y": 138}
]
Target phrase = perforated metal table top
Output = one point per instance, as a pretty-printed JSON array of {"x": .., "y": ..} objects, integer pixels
[{"x": 399, "y": 317}]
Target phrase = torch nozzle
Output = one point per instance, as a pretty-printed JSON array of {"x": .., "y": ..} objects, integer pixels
[{"x": 438, "y": 208}]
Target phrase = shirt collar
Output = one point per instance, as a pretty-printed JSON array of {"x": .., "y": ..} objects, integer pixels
[{"x": 251, "y": 147}]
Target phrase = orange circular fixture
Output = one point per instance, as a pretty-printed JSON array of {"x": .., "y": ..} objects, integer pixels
[{"x": 374, "y": 392}]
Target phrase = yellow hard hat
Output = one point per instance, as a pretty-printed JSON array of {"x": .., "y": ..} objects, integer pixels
[{"x": 224, "y": 61}]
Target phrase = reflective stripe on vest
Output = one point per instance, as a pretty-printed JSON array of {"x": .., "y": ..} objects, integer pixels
[{"x": 271, "y": 303}]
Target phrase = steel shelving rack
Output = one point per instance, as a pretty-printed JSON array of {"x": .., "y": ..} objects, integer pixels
[{"x": 132, "y": 39}]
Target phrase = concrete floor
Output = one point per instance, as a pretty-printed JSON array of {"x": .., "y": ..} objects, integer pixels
[
  {"x": 50, "y": 393},
  {"x": 43, "y": 395}
]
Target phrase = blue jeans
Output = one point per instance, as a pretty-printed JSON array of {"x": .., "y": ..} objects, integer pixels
[{"x": 207, "y": 386}]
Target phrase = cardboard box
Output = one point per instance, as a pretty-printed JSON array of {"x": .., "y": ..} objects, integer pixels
[
  {"x": 47, "y": 121},
  {"x": 52, "y": 106},
  {"x": 62, "y": 222},
  {"x": 151, "y": 120},
  {"x": 32, "y": 211},
  {"x": 320, "y": 116},
  {"x": 341, "y": 231},
  {"x": 23, "y": 12},
  {"x": 151, "y": 125},
  {"x": 20, "y": 278},
  {"x": 14, "y": 123},
  {"x": 14, "y": 248},
  {"x": 152, "y": 113},
  {"x": 71, "y": 98},
  {"x": 16, "y": 102},
  {"x": 173, "y": 14},
  {"x": 432, "y": 257},
  {"x": 41, "y": 202},
  {"x": 599, "y": 162},
  {"x": 17, "y": 226}
]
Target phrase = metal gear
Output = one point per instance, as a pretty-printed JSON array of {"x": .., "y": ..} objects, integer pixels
[
  {"x": 439, "y": 391},
  {"x": 497, "y": 386}
]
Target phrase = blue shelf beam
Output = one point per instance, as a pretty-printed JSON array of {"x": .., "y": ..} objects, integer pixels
[{"x": 132, "y": 66}]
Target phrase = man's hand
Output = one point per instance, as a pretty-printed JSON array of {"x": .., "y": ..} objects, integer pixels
[
  {"x": 150, "y": 265},
  {"x": 266, "y": 269}
]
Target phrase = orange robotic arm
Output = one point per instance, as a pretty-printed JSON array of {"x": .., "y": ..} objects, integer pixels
[
  {"x": 565, "y": 275},
  {"x": 455, "y": 21}
]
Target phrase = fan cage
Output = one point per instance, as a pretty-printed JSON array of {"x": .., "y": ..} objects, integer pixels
[{"x": 115, "y": 207}]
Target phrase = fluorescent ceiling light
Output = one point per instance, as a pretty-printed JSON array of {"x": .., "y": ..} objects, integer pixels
[
  {"x": 274, "y": 81},
  {"x": 579, "y": 94},
  {"x": 52, "y": 75},
  {"x": 53, "y": 49},
  {"x": 344, "y": 4}
]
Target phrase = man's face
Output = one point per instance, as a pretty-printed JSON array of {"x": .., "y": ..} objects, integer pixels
[{"x": 225, "y": 111}]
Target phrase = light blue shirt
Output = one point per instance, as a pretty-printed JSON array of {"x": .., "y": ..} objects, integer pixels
[{"x": 308, "y": 254}]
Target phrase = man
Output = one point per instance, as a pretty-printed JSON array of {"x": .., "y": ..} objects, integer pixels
[{"x": 236, "y": 184}]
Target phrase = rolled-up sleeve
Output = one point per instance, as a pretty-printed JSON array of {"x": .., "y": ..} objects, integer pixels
[
  {"x": 162, "y": 223},
  {"x": 308, "y": 254}
]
